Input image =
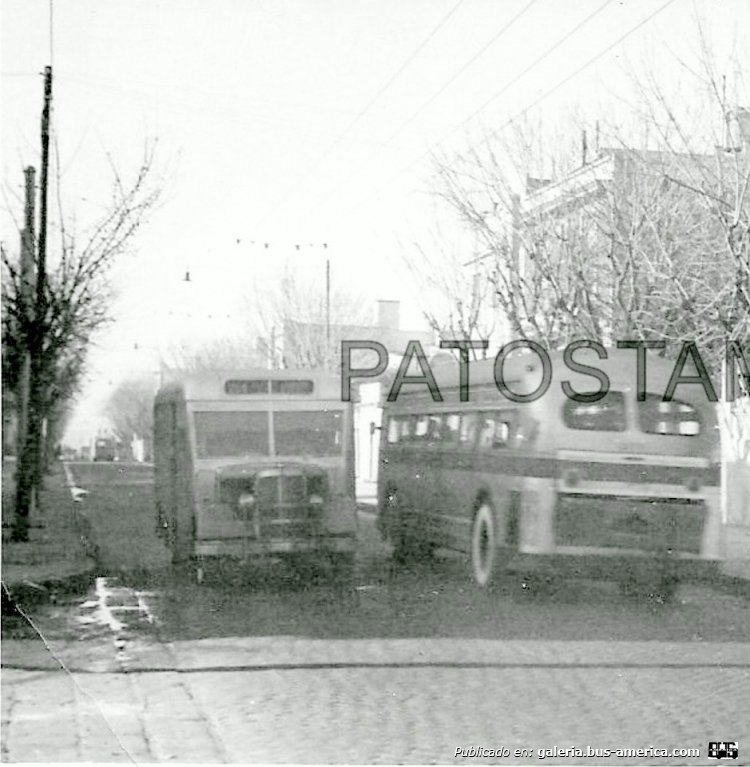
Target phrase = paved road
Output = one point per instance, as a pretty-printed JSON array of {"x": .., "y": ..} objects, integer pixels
[{"x": 405, "y": 665}]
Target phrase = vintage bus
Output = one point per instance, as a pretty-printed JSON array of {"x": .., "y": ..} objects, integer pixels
[
  {"x": 105, "y": 449},
  {"x": 616, "y": 488},
  {"x": 255, "y": 463}
]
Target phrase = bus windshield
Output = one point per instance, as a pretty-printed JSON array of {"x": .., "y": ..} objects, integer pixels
[
  {"x": 222, "y": 434},
  {"x": 245, "y": 433},
  {"x": 309, "y": 432}
]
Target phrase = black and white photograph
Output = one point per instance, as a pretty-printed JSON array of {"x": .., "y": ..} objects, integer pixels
[{"x": 375, "y": 382}]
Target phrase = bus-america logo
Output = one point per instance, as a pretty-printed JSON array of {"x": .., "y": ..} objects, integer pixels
[{"x": 723, "y": 749}]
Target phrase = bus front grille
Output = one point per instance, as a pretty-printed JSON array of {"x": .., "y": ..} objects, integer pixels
[
  {"x": 283, "y": 508},
  {"x": 653, "y": 525}
]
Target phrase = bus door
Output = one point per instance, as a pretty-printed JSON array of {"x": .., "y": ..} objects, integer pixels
[
  {"x": 427, "y": 465},
  {"x": 449, "y": 518}
]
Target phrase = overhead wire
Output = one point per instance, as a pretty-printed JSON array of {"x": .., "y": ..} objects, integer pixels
[
  {"x": 383, "y": 88},
  {"x": 439, "y": 92},
  {"x": 505, "y": 87},
  {"x": 519, "y": 114},
  {"x": 449, "y": 82}
]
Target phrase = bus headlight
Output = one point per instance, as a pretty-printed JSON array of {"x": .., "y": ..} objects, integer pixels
[{"x": 246, "y": 501}]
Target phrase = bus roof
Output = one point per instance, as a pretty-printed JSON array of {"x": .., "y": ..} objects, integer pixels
[{"x": 252, "y": 383}]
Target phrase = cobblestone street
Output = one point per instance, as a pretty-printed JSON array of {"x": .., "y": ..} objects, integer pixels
[{"x": 395, "y": 701}]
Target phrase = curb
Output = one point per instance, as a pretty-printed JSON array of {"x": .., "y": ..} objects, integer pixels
[
  {"x": 731, "y": 584},
  {"x": 29, "y": 592}
]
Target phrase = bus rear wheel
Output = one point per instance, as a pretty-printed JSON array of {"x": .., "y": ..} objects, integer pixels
[
  {"x": 407, "y": 549},
  {"x": 342, "y": 567},
  {"x": 485, "y": 556}
]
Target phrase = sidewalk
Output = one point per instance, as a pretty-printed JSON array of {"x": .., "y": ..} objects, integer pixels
[
  {"x": 737, "y": 548},
  {"x": 59, "y": 553}
]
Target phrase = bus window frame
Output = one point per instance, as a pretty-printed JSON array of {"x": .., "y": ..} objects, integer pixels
[
  {"x": 451, "y": 435},
  {"x": 644, "y": 409},
  {"x": 567, "y": 411},
  {"x": 259, "y": 406},
  {"x": 500, "y": 416},
  {"x": 472, "y": 433},
  {"x": 342, "y": 431}
]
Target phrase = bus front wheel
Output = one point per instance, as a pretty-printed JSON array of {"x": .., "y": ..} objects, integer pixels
[{"x": 485, "y": 556}]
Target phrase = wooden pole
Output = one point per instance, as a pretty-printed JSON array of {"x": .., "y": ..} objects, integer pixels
[
  {"x": 27, "y": 285},
  {"x": 30, "y": 459}
]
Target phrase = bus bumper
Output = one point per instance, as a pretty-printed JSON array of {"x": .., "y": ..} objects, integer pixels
[
  {"x": 616, "y": 566},
  {"x": 242, "y": 548}
]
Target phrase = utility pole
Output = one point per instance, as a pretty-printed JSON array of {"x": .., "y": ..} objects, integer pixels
[
  {"x": 41, "y": 279},
  {"x": 38, "y": 383},
  {"x": 30, "y": 459},
  {"x": 27, "y": 284}
]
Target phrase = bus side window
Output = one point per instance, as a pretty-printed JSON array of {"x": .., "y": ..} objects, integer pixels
[
  {"x": 675, "y": 418},
  {"x": 496, "y": 430},
  {"x": 394, "y": 428},
  {"x": 608, "y": 414},
  {"x": 487, "y": 431},
  {"x": 406, "y": 428},
  {"x": 502, "y": 433},
  {"x": 421, "y": 427},
  {"x": 435, "y": 427},
  {"x": 468, "y": 430},
  {"x": 451, "y": 428}
]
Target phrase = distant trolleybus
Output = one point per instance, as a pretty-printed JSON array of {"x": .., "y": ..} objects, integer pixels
[
  {"x": 615, "y": 488},
  {"x": 253, "y": 463},
  {"x": 105, "y": 449}
]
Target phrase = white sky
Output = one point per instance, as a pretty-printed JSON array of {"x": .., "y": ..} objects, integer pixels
[{"x": 280, "y": 121}]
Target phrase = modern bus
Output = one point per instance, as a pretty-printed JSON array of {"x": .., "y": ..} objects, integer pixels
[
  {"x": 255, "y": 463},
  {"x": 616, "y": 488}
]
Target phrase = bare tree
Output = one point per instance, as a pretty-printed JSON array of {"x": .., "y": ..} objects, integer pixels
[
  {"x": 130, "y": 409},
  {"x": 301, "y": 327},
  {"x": 222, "y": 353},
  {"x": 531, "y": 264},
  {"x": 457, "y": 290},
  {"x": 57, "y": 329},
  {"x": 645, "y": 240},
  {"x": 651, "y": 240}
]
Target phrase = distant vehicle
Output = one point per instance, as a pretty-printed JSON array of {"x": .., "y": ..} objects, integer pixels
[
  {"x": 105, "y": 449},
  {"x": 69, "y": 453},
  {"x": 615, "y": 488},
  {"x": 256, "y": 463}
]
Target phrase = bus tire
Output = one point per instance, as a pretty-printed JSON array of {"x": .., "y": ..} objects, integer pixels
[
  {"x": 342, "y": 567},
  {"x": 407, "y": 549},
  {"x": 485, "y": 554}
]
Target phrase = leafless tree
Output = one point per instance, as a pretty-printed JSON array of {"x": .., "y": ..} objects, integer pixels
[
  {"x": 56, "y": 330},
  {"x": 530, "y": 265},
  {"x": 649, "y": 236},
  {"x": 300, "y": 327},
  {"x": 643, "y": 235},
  {"x": 222, "y": 353},
  {"x": 130, "y": 410},
  {"x": 456, "y": 290}
]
